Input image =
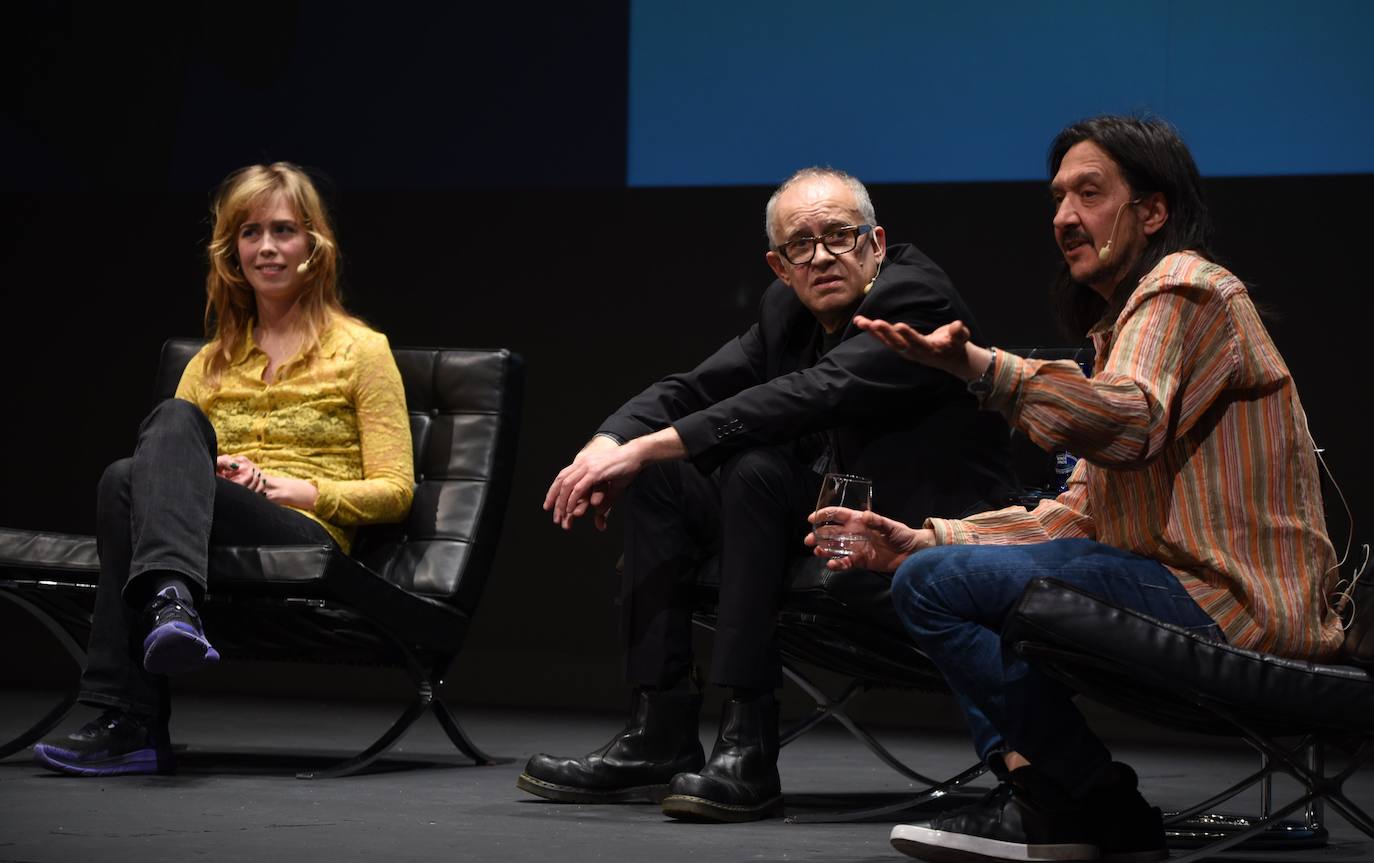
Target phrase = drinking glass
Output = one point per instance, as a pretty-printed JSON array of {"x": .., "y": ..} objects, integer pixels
[{"x": 851, "y": 492}]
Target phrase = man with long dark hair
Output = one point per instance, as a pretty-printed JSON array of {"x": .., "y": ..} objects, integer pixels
[
  {"x": 1197, "y": 500},
  {"x": 1152, "y": 160}
]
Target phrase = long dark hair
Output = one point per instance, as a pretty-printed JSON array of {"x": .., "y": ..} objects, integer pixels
[{"x": 1152, "y": 158}]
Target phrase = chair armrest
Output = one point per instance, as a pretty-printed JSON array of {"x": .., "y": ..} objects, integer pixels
[
  {"x": 49, "y": 551},
  {"x": 1081, "y": 629}
]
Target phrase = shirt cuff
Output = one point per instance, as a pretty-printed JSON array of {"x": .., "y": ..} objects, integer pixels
[
  {"x": 1006, "y": 373},
  {"x": 950, "y": 531}
]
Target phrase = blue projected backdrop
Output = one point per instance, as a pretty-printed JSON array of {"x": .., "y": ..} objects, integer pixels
[{"x": 725, "y": 93}]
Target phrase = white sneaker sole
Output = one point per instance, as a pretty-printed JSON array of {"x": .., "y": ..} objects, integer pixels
[{"x": 939, "y": 846}]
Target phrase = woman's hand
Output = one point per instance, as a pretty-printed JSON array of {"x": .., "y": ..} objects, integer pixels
[
  {"x": 241, "y": 471},
  {"x": 884, "y": 545},
  {"x": 289, "y": 491},
  {"x": 283, "y": 490}
]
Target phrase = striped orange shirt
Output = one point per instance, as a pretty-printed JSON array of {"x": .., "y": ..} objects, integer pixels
[{"x": 1195, "y": 452}]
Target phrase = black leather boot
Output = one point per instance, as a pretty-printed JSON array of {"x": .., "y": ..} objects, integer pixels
[
  {"x": 659, "y": 742},
  {"x": 740, "y": 782}
]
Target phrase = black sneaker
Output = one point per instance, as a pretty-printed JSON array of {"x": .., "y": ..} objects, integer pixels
[
  {"x": 176, "y": 642},
  {"x": 114, "y": 744},
  {"x": 1129, "y": 830},
  {"x": 1027, "y": 818}
]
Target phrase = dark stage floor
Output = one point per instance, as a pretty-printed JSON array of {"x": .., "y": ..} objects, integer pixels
[{"x": 236, "y": 799}]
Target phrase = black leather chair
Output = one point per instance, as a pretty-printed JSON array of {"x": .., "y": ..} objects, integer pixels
[
  {"x": 405, "y": 598},
  {"x": 1166, "y": 675}
]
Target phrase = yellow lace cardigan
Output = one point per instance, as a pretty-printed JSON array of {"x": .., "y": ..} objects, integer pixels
[{"x": 336, "y": 419}]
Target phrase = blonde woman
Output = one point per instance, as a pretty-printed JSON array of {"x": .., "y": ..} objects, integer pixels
[{"x": 288, "y": 427}]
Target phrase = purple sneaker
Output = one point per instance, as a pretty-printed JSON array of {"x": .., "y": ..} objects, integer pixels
[
  {"x": 176, "y": 642},
  {"x": 114, "y": 744}
]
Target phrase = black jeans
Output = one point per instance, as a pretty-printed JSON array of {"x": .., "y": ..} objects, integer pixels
[
  {"x": 157, "y": 515},
  {"x": 752, "y": 513}
]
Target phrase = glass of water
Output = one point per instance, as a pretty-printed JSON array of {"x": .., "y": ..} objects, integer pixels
[{"x": 836, "y": 538}]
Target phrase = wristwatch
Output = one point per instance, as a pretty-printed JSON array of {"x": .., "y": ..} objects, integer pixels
[{"x": 982, "y": 385}]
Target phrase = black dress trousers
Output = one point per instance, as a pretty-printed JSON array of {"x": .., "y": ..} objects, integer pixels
[{"x": 751, "y": 514}]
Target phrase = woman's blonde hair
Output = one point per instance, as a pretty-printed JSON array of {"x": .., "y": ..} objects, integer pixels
[{"x": 230, "y": 306}]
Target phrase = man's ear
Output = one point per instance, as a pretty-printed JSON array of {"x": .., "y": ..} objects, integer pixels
[
  {"x": 1156, "y": 213},
  {"x": 879, "y": 242},
  {"x": 779, "y": 267}
]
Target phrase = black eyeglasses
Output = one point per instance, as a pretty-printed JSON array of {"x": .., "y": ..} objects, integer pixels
[{"x": 837, "y": 242}]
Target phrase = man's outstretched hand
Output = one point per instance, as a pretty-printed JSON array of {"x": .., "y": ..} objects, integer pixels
[{"x": 946, "y": 348}]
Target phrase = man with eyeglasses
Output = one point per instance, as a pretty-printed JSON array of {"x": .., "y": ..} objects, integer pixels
[{"x": 726, "y": 460}]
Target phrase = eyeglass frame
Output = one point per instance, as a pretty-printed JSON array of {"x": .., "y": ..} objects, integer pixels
[{"x": 859, "y": 231}]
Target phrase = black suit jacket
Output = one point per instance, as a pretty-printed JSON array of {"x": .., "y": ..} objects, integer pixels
[{"x": 915, "y": 431}]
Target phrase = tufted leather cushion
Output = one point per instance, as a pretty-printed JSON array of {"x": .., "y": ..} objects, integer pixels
[
  {"x": 1161, "y": 671},
  {"x": 302, "y": 572},
  {"x": 70, "y": 557},
  {"x": 238, "y": 572},
  {"x": 464, "y": 415}
]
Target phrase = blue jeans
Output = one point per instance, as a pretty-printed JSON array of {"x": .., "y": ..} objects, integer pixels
[{"x": 954, "y": 599}]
